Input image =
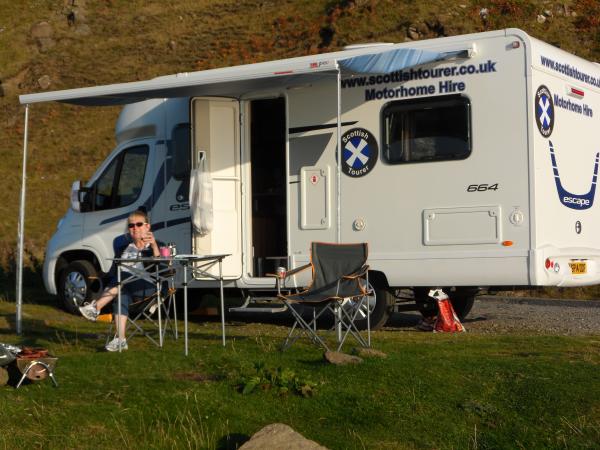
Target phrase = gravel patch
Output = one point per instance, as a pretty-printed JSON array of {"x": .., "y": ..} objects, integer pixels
[
  {"x": 490, "y": 314},
  {"x": 561, "y": 317},
  {"x": 504, "y": 315}
]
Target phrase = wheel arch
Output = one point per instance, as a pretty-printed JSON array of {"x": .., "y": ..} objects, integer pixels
[
  {"x": 378, "y": 279},
  {"x": 68, "y": 257}
]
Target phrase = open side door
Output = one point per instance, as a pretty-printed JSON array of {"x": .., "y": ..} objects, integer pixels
[{"x": 216, "y": 132}]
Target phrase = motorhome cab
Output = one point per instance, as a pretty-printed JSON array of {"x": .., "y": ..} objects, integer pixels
[{"x": 464, "y": 162}]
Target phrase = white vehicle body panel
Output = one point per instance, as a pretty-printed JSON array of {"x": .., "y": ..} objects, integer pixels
[{"x": 425, "y": 223}]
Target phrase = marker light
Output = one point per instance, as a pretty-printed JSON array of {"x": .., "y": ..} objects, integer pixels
[
  {"x": 516, "y": 44},
  {"x": 548, "y": 263},
  {"x": 575, "y": 92},
  {"x": 507, "y": 243}
]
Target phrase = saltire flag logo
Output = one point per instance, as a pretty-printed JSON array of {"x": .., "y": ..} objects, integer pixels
[
  {"x": 359, "y": 152},
  {"x": 544, "y": 111}
]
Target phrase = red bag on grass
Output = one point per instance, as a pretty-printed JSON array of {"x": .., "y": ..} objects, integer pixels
[{"x": 446, "y": 321}]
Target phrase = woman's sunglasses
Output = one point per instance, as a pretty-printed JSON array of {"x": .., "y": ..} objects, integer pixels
[{"x": 135, "y": 224}]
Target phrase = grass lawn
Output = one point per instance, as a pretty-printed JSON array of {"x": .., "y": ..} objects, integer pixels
[{"x": 432, "y": 391}]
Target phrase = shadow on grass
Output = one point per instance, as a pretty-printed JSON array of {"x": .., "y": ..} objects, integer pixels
[
  {"x": 396, "y": 320},
  {"x": 33, "y": 285},
  {"x": 232, "y": 441},
  {"x": 36, "y": 329}
]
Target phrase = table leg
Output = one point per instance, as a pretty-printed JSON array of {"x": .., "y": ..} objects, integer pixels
[
  {"x": 338, "y": 322},
  {"x": 222, "y": 300},
  {"x": 159, "y": 300},
  {"x": 185, "y": 309},
  {"x": 118, "y": 315}
]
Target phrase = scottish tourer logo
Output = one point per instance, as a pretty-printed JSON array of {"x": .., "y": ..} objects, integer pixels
[
  {"x": 359, "y": 152},
  {"x": 544, "y": 111},
  {"x": 574, "y": 201}
]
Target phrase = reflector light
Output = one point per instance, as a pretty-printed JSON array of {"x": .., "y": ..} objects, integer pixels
[
  {"x": 507, "y": 243},
  {"x": 548, "y": 263},
  {"x": 575, "y": 92}
]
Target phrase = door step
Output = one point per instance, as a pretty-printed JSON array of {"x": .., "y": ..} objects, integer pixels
[{"x": 260, "y": 305}]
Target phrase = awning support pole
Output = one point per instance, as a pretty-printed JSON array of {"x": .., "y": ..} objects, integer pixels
[
  {"x": 339, "y": 153},
  {"x": 21, "y": 231}
]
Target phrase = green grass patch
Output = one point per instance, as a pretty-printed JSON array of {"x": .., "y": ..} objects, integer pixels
[{"x": 432, "y": 391}]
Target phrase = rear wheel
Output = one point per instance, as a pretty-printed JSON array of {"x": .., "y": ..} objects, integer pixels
[
  {"x": 79, "y": 284},
  {"x": 380, "y": 304},
  {"x": 462, "y": 300}
]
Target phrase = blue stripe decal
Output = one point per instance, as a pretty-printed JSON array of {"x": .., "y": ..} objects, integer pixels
[
  {"x": 172, "y": 223},
  {"x": 570, "y": 200}
]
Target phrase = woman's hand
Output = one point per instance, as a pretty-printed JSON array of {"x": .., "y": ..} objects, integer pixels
[{"x": 149, "y": 239}]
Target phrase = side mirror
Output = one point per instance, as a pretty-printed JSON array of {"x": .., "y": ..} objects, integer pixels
[
  {"x": 79, "y": 197},
  {"x": 75, "y": 201}
]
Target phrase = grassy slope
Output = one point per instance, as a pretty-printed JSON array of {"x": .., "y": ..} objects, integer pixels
[
  {"x": 133, "y": 39},
  {"x": 432, "y": 391}
]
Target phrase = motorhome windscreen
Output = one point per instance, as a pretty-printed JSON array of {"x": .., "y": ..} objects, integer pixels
[
  {"x": 121, "y": 183},
  {"x": 431, "y": 129}
]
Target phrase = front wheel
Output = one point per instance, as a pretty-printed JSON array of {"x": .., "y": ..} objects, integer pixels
[{"x": 79, "y": 284}]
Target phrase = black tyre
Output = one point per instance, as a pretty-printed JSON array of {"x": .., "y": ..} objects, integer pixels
[
  {"x": 78, "y": 284},
  {"x": 381, "y": 305},
  {"x": 425, "y": 304},
  {"x": 462, "y": 300}
]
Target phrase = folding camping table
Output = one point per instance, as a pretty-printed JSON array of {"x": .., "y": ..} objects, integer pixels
[{"x": 198, "y": 266}]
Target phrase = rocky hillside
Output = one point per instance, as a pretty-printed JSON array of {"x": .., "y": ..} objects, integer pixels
[{"x": 60, "y": 44}]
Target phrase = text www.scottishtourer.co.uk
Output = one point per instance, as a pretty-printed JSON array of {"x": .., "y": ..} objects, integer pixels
[
  {"x": 399, "y": 76},
  {"x": 570, "y": 71}
]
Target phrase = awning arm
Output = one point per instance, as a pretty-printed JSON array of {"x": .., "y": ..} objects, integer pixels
[
  {"x": 339, "y": 151},
  {"x": 21, "y": 232}
]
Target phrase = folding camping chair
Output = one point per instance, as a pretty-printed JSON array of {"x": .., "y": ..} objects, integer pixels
[
  {"x": 143, "y": 318},
  {"x": 339, "y": 285}
]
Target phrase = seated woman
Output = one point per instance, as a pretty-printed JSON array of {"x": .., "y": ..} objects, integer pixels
[{"x": 141, "y": 244}]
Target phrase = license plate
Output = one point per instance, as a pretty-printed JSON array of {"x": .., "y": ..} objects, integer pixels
[{"x": 578, "y": 268}]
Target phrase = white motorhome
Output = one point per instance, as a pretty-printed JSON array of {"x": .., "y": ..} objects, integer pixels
[{"x": 475, "y": 169}]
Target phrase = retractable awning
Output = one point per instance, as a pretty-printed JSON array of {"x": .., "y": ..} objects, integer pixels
[
  {"x": 395, "y": 60},
  {"x": 239, "y": 80},
  {"x": 227, "y": 82}
]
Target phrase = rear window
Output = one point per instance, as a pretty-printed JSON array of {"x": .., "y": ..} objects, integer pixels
[{"x": 431, "y": 129}]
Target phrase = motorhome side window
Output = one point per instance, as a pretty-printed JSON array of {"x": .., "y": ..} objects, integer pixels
[
  {"x": 432, "y": 129},
  {"x": 181, "y": 151},
  {"x": 121, "y": 183}
]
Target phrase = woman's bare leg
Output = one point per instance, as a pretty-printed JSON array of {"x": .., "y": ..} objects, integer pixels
[
  {"x": 107, "y": 296},
  {"x": 121, "y": 323}
]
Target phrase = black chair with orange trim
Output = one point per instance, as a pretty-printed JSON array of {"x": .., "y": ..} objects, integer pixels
[{"x": 339, "y": 285}]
